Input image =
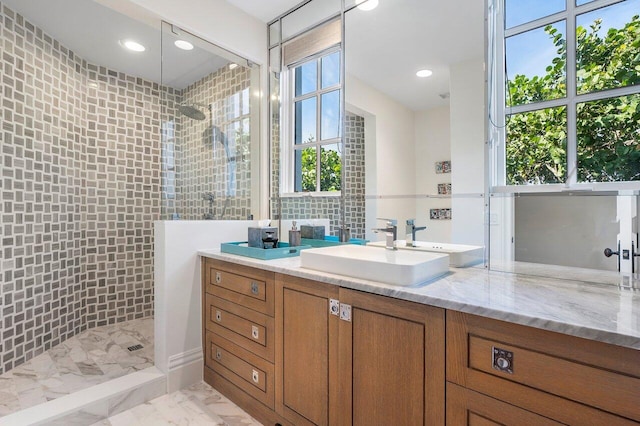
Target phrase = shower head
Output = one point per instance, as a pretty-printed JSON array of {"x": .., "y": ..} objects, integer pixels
[{"x": 192, "y": 111}]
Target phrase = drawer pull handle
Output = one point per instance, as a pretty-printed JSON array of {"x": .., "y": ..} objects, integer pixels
[
  {"x": 218, "y": 355},
  {"x": 255, "y": 376},
  {"x": 218, "y": 316},
  {"x": 502, "y": 360},
  {"x": 255, "y": 332},
  {"x": 254, "y": 288},
  {"x": 218, "y": 278},
  {"x": 334, "y": 307}
]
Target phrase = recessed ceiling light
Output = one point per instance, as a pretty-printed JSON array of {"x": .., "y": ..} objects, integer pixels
[
  {"x": 183, "y": 44},
  {"x": 367, "y": 4},
  {"x": 233, "y": 66},
  {"x": 424, "y": 73},
  {"x": 133, "y": 45}
]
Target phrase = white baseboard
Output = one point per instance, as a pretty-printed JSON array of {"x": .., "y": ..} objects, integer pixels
[{"x": 185, "y": 369}]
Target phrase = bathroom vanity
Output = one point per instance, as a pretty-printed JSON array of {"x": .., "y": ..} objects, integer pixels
[{"x": 294, "y": 346}]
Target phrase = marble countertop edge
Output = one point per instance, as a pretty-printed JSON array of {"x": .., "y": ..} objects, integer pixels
[{"x": 564, "y": 306}]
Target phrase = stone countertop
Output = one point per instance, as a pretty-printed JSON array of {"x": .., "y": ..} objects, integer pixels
[{"x": 605, "y": 313}]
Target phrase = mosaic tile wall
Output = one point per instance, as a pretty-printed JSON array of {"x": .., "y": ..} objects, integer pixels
[
  {"x": 355, "y": 175},
  {"x": 122, "y": 194},
  {"x": 213, "y": 155},
  {"x": 80, "y": 190},
  {"x": 329, "y": 207}
]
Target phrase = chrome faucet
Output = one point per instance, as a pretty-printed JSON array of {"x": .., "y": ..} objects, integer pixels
[
  {"x": 411, "y": 232},
  {"x": 391, "y": 232}
]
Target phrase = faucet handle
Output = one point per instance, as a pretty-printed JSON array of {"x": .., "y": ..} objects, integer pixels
[
  {"x": 390, "y": 222},
  {"x": 411, "y": 222}
]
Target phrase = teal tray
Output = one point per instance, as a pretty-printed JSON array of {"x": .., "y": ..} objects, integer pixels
[
  {"x": 242, "y": 249},
  {"x": 330, "y": 241},
  {"x": 356, "y": 241}
]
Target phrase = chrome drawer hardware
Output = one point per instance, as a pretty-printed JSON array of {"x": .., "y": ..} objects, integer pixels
[
  {"x": 218, "y": 278},
  {"x": 254, "y": 287},
  {"x": 502, "y": 360},
  {"x": 255, "y": 376},
  {"x": 218, "y": 316},
  {"x": 345, "y": 312},
  {"x": 255, "y": 332},
  {"x": 334, "y": 307}
]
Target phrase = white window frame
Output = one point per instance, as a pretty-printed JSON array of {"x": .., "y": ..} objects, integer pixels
[
  {"x": 498, "y": 109},
  {"x": 288, "y": 146}
]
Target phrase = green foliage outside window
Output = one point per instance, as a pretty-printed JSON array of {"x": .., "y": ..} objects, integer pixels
[
  {"x": 330, "y": 170},
  {"x": 608, "y": 130}
]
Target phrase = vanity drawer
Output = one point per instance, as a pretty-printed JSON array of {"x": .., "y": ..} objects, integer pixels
[
  {"x": 534, "y": 369},
  {"x": 249, "y": 287},
  {"x": 247, "y": 371},
  {"x": 248, "y": 329}
]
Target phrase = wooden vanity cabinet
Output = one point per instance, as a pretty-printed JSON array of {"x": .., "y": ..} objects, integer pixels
[
  {"x": 563, "y": 378},
  {"x": 239, "y": 336},
  {"x": 306, "y": 351},
  {"x": 391, "y": 362},
  {"x": 352, "y": 358},
  {"x": 292, "y": 351}
]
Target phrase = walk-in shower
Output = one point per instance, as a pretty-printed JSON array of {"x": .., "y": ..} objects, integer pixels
[
  {"x": 96, "y": 146},
  {"x": 210, "y": 143}
]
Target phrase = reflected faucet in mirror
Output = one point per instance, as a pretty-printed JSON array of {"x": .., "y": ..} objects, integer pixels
[
  {"x": 411, "y": 230},
  {"x": 211, "y": 198},
  {"x": 391, "y": 233}
]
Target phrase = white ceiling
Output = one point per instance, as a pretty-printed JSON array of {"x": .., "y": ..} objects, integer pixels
[
  {"x": 93, "y": 31},
  {"x": 386, "y": 46},
  {"x": 265, "y": 10}
]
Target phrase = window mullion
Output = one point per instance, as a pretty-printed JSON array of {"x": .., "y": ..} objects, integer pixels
[
  {"x": 498, "y": 66},
  {"x": 318, "y": 118},
  {"x": 572, "y": 141}
]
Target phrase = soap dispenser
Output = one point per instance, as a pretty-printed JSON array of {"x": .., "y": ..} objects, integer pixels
[{"x": 294, "y": 236}]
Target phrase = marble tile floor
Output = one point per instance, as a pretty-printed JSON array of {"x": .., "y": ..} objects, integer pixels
[
  {"x": 196, "y": 405},
  {"x": 90, "y": 358}
]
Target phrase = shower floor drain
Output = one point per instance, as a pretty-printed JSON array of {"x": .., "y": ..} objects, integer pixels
[{"x": 135, "y": 348}]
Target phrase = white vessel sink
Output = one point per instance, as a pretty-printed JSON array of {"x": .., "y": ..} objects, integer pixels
[
  {"x": 460, "y": 255},
  {"x": 401, "y": 268}
]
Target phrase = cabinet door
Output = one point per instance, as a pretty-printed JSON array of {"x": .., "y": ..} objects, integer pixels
[
  {"x": 468, "y": 408},
  {"x": 307, "y": 344},
  {"x": 391, "y": 362}
]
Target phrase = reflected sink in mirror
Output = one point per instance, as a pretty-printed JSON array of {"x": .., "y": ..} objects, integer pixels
[
  {"x": 401, "y": 268},
  {"x": 460, "y": 255}
]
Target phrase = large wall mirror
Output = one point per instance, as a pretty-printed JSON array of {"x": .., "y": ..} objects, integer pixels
[
  {"x": 414, "y": 147},
  {"x": 424, "y": 136}
]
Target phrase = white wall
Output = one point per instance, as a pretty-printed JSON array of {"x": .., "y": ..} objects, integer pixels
[
  {"x": 468, "y": 117},
  {"x": 178, "y": 310},
  {"x": 432, "y": 143},
  {"x": 394, "y": 167}
]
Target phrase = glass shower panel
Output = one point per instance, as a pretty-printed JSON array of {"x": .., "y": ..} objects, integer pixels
[{"x": 210, "y": 131}]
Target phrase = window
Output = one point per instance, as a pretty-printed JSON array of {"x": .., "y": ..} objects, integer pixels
[
  {"x": 566, "y": 93},
  {"x": 315, "y": 148},
  {"x": 233, "y": 134}
]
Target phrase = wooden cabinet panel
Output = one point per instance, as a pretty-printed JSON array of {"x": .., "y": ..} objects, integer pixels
[
  {"x": 307, "y": 352},
  {"x": 391, "y": 362},
  {"x": 558, "y": 376},
  {"x": 382, "y": 363},
  {"x": 248, "y": 329},
  {"x": 468, "y": 408},
  {"x": 249, "y": 372},
  {"x": 249, "y": 287}
]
